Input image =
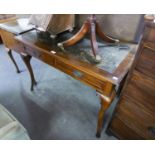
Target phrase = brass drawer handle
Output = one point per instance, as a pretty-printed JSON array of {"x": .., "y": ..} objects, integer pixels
[{"x": 77, "y": 74}]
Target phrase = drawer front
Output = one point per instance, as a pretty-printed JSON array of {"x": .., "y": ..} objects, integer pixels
[
  {"x": 44, "y": 56},
  {"x": 32, "y": 52},
  {"x": 136, "y": 117},
  {"x": 146, "y": 62},
  {"x": 18, "y": 47},
  {"x": 79, "y": 75},
  {"x": 123, "y": 131},
  {"x": 137, "y": 108},
  {"x": 142, "y": 89}
]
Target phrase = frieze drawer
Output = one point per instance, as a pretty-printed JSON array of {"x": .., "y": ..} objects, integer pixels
[
  {"x": 82, "y": 76},
  {"x": 18, "y": 47},
  {"x": 44, "y": 56},
  {"x": 32, "y": 52}
]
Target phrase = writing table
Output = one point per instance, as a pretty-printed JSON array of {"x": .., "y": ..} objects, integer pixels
[{"x": 104, "y": 77}]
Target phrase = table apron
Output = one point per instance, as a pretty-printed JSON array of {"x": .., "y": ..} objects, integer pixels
[{"x": 98, "y": 84}]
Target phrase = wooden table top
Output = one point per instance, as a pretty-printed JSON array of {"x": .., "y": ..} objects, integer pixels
[
  {"x": 113, "y": 67},
  {"x": 17, "y": 26}
]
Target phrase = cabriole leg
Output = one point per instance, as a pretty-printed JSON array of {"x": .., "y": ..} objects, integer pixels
[
  {"x": 105, "y": 103},
  {"x": 26, "y": 59},
  {"x": 13, "y": 60},
  {"x": 104, "y": 107}
]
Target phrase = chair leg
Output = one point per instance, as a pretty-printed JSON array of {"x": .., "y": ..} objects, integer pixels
[
  {"x": 13, "y": 60},
  {"x": 26, "y": 59},
  {"x": 103, "y": 36},
  {"x": 77, "y": 37},
  {"x": 93, "y": 39}
]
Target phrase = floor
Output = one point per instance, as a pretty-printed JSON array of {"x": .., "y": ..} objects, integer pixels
[{"x": 58, "y": 108}]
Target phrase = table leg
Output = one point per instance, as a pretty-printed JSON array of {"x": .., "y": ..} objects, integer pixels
[
  {"x": 13, "y": 60},
  {"x": 105, "y": 103},
  {"x": 26, "y": 59}
]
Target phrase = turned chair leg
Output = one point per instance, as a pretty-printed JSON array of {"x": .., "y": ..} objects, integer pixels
[
  {"x": 13, "y": 60},
  {"x": 26, "y": 59},
  {"x": 103, "y": 36},
  {"x": 93, "y": 39},
  {"x": 77, "y": 37}
]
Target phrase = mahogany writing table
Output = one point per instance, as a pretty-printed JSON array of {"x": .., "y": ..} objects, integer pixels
[{"x": 104, "y": 77}]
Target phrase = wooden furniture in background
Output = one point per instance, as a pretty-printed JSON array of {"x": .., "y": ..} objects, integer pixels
[
  {"x": 135, "y": 114},
  {"x": 53, "y": 23},
  {"x": 90, "y": 26},
  {"x": 10, "y": 28},
  {"x": 103, "y": 81}
]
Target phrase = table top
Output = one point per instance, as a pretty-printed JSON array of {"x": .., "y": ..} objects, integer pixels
[
  {"x": 115, "y": 60},
  {"x": 17, "y": 26}
]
